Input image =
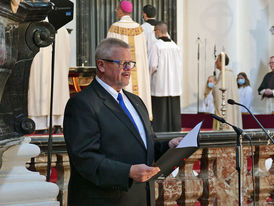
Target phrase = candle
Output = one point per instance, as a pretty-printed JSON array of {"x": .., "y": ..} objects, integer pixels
[{"x": 223, "y": 69}]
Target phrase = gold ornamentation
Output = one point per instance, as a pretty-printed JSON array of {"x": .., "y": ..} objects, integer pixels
[{"x": 126, "y": 31}]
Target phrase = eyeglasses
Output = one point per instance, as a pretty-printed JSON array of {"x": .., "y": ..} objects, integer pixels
[
  {"x": 271, "y": 62},
  {"x": 126, "y": 65}
]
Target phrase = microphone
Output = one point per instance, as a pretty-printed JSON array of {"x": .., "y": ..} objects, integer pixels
[
  {"x": 232, "y": 102},
  {"x": 238, "y": 130}
]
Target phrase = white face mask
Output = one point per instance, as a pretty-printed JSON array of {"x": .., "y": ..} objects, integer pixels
[{"x": 210, "y": 84}]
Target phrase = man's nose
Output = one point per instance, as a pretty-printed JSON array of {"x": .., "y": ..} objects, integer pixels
[{"x": 126, "y": 67}]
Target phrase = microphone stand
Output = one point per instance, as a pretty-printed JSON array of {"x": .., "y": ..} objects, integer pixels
[
  {"x": 239, "y": 160},
  {"x": 231, "y": 101},
  {"x": 239, "y": 163},
  {"x": 270, "y": 139},
  {"x": 51, "y": 111},
  {"x": 239, "y": 154}
]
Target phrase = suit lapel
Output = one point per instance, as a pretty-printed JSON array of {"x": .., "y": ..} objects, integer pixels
[
  {"x": 113, "y": 105},
  {"x": 142, "y": 114}
]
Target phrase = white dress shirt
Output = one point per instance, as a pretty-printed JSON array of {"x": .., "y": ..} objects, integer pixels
[{"x": 129, "y": 106}]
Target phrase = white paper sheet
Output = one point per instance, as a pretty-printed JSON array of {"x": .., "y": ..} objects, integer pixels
[{"x": 190, "y": 140}]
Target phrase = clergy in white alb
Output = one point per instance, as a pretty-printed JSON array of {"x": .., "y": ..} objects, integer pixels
[
  {"x": 165, "y": 71},
  {"x": 40, "y": 82},
  {"x": 132, "y": 33},
  {"x": 149, "y": 13},
  {"x": 232, "y": 113}
]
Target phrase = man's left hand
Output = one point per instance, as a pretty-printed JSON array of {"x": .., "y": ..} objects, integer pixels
[{"x": 174, "y": 142}]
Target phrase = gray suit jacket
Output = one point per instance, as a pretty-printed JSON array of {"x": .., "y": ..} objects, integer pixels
[{"x": 102, "y": 144}]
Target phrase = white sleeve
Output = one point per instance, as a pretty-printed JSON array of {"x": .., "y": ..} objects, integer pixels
[
  {"x": 153, "y": 59},
  {"x": 262, "y": 91},
  {"x": 249, "y": 97}
]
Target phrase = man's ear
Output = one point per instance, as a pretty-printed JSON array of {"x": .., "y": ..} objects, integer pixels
[
  {"x": 101, "y": 65},
  {"x": 145, "y": 16}
]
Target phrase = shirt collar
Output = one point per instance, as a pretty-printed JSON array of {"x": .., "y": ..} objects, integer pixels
[
  {"x": 108, "y": 88},
  {"x": 152, "y": 21},
  {"x": 165, "y": 39}
]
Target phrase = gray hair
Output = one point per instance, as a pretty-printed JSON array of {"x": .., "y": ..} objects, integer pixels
[{"x": 106, "y": 46}]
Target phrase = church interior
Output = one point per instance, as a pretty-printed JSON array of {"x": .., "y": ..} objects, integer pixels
[{"x": 47, "y": 55}]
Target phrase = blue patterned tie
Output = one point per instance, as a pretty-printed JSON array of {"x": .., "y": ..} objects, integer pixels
[{"x": 122, "y": 104}]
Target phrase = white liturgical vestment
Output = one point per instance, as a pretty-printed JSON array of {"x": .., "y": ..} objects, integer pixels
[
  {"x": 165, "y": 69},
  {"x": 246, "y": 97},
  {"x": 40, "y": 82},
  {"x": 208, "y": 104},
  {"x": 149, "y": 34},
  {"x": 232, "y": 113},
  {"x": 132, "y": 33}
]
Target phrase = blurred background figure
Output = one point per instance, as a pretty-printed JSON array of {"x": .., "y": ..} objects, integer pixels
[
  {"x": 266, "y": 88},
  {"x": 208, "y": 103},
  {"x": 165, "y": 67},
  {"x": 245, "y": 91},
  {"x": 232, "y": 114},
  {"x": 40, "y": 84},
  {"x": 132, "y": 33},
  {"x": 149, "y": 14}
]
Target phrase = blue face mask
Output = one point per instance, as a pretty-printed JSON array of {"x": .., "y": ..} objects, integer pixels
[
  {"x": 210, "y": 84},
  {"x": 241, "y": 81}
]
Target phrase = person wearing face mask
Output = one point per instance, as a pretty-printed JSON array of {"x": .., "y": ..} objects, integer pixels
[
  {"x": 208, "y": 103},
  {"x": 245, "y": 91}
]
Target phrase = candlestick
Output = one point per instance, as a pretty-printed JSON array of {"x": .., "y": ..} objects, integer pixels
[
  {"x": 223, "y": 109},
  {"x": 223, "y": 69}
]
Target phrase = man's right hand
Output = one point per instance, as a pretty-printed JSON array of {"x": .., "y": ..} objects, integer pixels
[{"x": 142, "y": 172}]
